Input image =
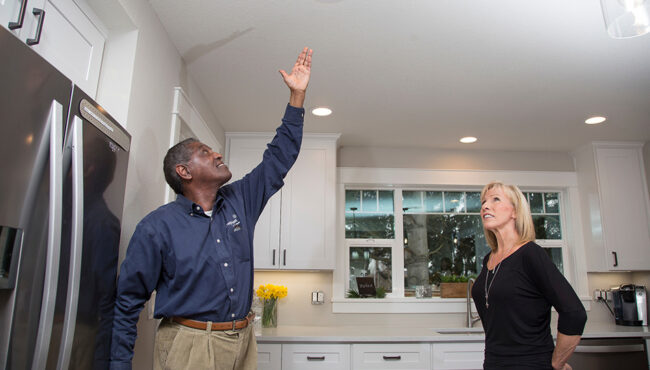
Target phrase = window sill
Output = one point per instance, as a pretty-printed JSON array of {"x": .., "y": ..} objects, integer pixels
[{"x": 409, "y": 305}]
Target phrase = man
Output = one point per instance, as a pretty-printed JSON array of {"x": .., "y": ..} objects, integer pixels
[{"x": 197, "y": 252}]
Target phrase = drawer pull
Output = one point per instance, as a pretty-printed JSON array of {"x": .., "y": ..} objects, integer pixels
[
  {"x": 392, "y": 358},
  {"x": 315, "y": 358}
]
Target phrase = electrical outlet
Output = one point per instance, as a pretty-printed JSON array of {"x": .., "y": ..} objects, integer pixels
[
  {"x": 597, "y": 294},
  {"x": 317, "y": 297}
]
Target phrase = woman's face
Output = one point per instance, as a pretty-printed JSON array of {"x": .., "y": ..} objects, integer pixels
[{"x": 496, "y": 210}]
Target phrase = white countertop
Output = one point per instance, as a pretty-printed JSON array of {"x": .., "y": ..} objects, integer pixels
[{"x": 360, "y": 334}]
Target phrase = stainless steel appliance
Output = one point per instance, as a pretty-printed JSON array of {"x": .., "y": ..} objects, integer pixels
[
  {"x": 630, "y": 305},
  {"x": 610, "y": 353},
  {"x": 64, "y": 162}
]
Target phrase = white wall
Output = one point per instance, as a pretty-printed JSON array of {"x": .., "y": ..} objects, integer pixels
[
  {"x": 139, "y": 72},
  {"x": 453, "y": 159}
]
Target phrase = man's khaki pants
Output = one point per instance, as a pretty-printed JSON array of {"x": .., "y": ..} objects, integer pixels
[{"x": 179, "y": 347}]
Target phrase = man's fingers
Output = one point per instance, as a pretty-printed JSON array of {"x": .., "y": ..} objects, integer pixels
[
  {"x": 301, "y": 56},
  {"x": 283, "y": 73}
]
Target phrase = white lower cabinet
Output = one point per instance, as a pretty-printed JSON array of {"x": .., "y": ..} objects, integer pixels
[
  {"x": 391, "y": 356},
  {"x": 365, "y": 356},
  {"x": 315, "y": 356},
  {"x": 269, "y": 356},
  {"x": 458, "y": 355}
]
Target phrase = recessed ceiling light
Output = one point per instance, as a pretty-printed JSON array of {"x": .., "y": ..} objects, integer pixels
[
  {"x": 595, "y": 120},
  {"x": 321, "y": 111},
  {"x": 468, "y": 140}
]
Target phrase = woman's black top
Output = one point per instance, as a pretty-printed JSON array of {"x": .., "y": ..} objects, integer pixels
[{"x": 517, "y": 319}]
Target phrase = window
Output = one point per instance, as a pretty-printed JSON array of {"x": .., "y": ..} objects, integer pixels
[
  {"x": 443, "y": 236},
  {"x": 545, "y": 208},
  {"x": 420, "y": 236},
  {"x": 369, "y": 214}
]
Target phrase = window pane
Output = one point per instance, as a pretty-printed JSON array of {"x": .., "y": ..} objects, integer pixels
[
  {"x": 436, "y": 245},
  {"x": 547, "y": 227},
  {"x": 433, "y": 201},
  {"x": 412, "y": 201},
  {"x": 369, "y": 221},
  {"x": 386, "y": 201},
  {"x": 369, "y": 200},
  {"x": 552, "y": 202},
  {"x": 473, "y": 200},
  {"x": 352, "y": 200},
  {"x": 371, "y": 261},
  {"x": 369, "y": 226},
  {"x": 536, "y": 202},
  {"x": 454, "y": 201},
  {"x": 556, "y": 257}
]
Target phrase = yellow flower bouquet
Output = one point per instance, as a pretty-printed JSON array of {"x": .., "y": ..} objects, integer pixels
[{"x": 270, "y": 294}]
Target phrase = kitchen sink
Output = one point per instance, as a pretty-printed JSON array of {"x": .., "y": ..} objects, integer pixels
[{"x": 460, "y": 331}]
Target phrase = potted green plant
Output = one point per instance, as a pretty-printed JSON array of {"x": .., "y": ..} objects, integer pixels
[{"x": 454, "y": 286}]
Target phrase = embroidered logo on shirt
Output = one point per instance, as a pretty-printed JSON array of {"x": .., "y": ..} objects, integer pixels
[{"x": 235, "y": 224}]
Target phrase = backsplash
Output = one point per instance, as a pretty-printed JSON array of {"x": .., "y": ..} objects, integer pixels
[{"x": 296, "y": 309}]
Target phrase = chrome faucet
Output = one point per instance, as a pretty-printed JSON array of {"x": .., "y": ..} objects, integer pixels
[{"x": 471, "y": 319}]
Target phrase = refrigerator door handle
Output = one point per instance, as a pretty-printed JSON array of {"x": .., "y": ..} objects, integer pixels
[
  {"x": 55, "y": 124},
  {"x": 74, "y": 277}
]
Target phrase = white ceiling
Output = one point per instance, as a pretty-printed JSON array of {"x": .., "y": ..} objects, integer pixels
[{"x": 517, "y": 74}]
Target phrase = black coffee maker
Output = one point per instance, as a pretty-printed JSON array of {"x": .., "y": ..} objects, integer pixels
[{"x": 630, "y": 305}]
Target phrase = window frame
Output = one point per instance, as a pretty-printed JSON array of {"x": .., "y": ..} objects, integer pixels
[{"x": 397, "y": 180}]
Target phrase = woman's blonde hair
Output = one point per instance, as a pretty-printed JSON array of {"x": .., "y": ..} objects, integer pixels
[{"x": 523, "y": 221}]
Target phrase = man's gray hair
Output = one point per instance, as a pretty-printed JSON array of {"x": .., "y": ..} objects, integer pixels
[{"x": 180, "y": 153}]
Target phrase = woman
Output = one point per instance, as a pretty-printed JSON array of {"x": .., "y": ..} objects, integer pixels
[{"x": 517, "y": 287}]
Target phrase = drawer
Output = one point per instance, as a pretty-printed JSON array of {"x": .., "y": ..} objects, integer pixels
[
  {"x": 315, "y": 356},
  {"x": 391, "y": 356},
  {"x": 269, "y": 356},
  {"x": 458, "y": 355}
]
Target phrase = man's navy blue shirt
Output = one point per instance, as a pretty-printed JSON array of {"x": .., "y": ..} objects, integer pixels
[{"x": 201, "y": 267}]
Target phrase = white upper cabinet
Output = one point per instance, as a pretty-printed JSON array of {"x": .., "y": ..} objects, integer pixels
[
  {"x": 615, "y": 205},
  {"x": 297, "y": 230},
  {"x": 61, "y": 33}
]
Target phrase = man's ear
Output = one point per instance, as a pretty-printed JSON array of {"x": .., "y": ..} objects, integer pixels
[{"x": 183, "y": 172}]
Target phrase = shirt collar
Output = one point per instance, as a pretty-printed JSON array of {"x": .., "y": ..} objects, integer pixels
[{"x": 195, "y": 209}]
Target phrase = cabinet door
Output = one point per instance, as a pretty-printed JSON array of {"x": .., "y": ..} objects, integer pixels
[
  {"x": 391, "y": 356},
  {"x": 244, "y": 154},
  {"x": 624, "y": 207},
  {"x": 458, "y": 355},
  {"x": 315, "y": 356},
  {"x": 269, "y": 356},
  {"x": 308, "y": 209},
  {"x": 70, "y": 42}
]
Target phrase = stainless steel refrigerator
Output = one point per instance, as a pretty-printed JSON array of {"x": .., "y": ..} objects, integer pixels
[{"x": 63, "y": 162}]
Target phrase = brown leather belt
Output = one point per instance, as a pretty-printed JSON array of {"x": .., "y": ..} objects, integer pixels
[{"x": 203, "y": 325}]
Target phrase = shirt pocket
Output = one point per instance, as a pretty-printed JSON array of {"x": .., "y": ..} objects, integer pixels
[
  {"x": 169, "y": 263},
  {"x": 238, "y": 239}
]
